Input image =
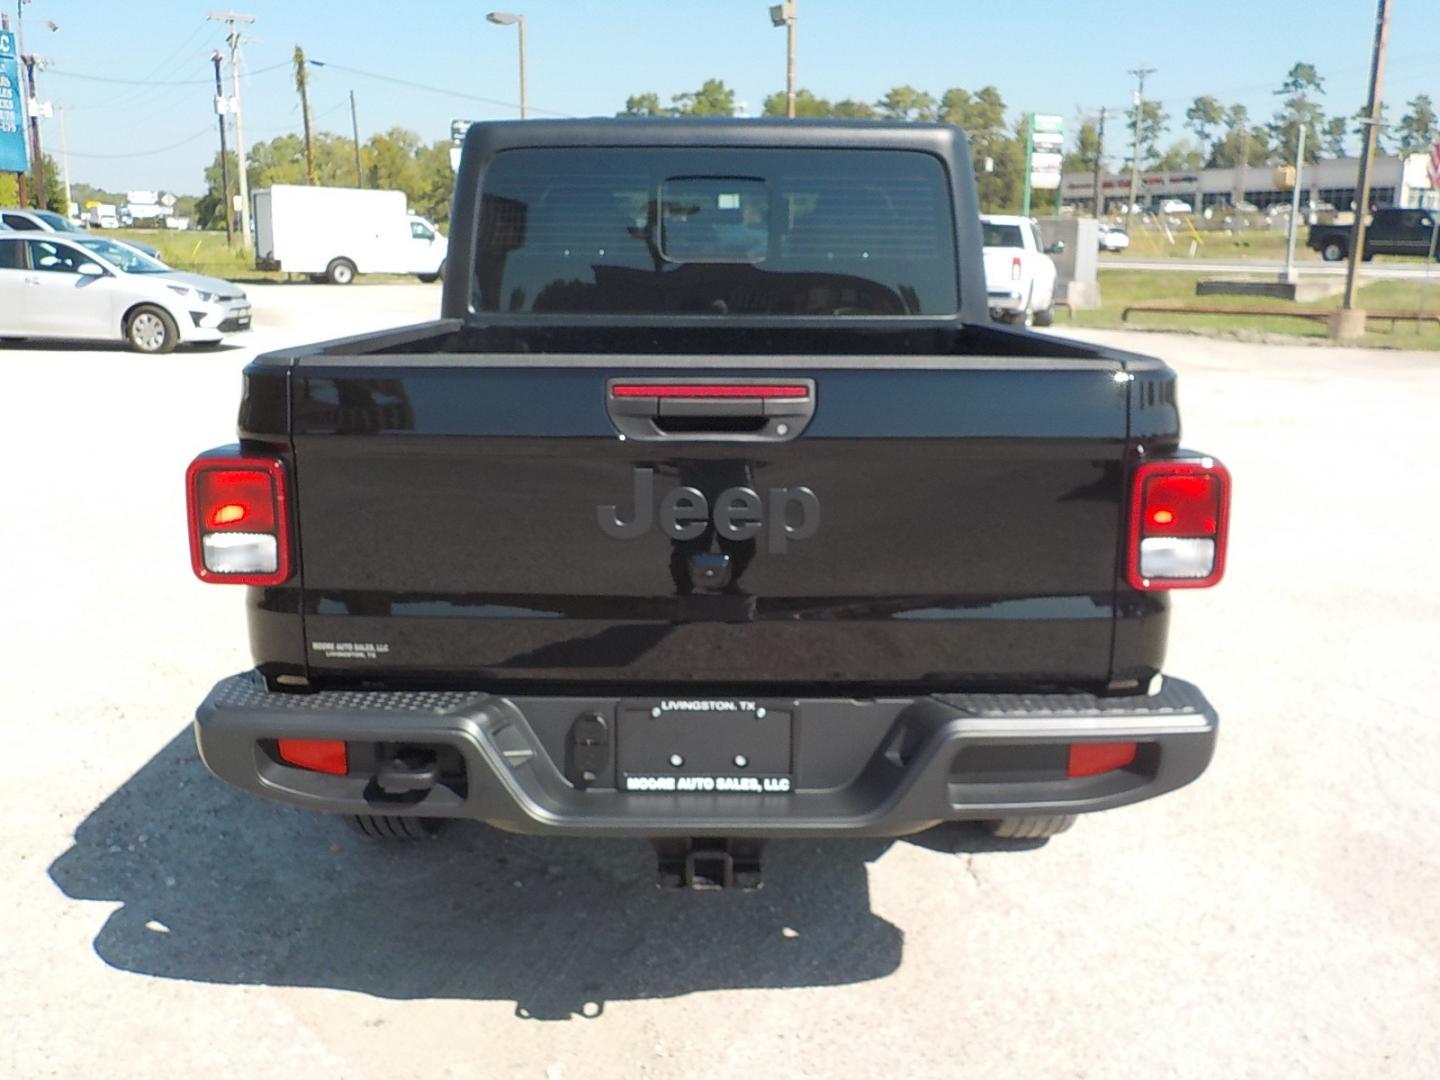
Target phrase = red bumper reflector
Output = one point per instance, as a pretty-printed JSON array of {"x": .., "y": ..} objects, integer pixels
[
  {"x": 1091, "y": 759},
  {"x": 707, "y": 390},
  {"x": 318, "y": 755}
]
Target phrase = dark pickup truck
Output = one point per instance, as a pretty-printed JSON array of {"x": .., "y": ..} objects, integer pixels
[
  {"x": 1391, "y": 231},
  {"x": 713, "y": 510}
]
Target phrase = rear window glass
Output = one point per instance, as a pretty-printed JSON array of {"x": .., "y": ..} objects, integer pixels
[
  {"x": 716, "y": 232},
  {"x": 1001, "y": 235}
]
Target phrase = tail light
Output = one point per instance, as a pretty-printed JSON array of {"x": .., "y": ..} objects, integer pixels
[
  {"x": 317, "y": 755},
  {"x": 1179, "y": 516},
  {"x": 239, "y": 520},
  {"x": 1092, "y": 759},
  {"x": 1015, "y": 268}
]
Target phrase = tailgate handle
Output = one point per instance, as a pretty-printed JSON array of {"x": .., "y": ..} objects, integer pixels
[{"x": 735, "y": 409}]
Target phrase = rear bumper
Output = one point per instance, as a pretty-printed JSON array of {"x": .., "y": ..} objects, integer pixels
[{"x": 873, "y": 767}]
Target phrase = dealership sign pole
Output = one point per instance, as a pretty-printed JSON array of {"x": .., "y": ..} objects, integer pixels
[
  {"x": 14, "y": 145},
  {"x": 1044, "y": 140}
]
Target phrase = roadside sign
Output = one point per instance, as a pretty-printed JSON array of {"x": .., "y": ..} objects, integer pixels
[
  {"x": 14, "y": 147},
  {"x": 458, "y": 128},
  {"x": 1047, "y": 142}
]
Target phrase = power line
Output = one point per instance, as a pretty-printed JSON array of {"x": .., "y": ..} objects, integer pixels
[
  {"x": 437, "y": 89},
  {"x": 138, "y": 82},
  {"x": 206, "y": 130}
]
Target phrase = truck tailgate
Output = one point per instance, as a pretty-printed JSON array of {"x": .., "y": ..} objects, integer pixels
[{"x": 962, "y": 526}]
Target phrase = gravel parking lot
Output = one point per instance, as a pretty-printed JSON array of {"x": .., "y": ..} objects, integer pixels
[{"x": 1278, "y": 918}]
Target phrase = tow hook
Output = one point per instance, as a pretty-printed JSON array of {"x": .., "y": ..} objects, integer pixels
[
  {"x": 407, "y": 773},
  {"x": 707, "y": 863}
]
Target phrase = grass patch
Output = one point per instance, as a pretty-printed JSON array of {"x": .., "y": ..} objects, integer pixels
[{"x": 1120, "y": 288}]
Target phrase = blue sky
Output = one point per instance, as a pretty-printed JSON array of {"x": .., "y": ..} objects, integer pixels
[{"x": 585, "y": 57}]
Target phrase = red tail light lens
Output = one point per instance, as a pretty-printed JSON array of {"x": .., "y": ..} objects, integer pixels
[
  {"x": 317, "y": 755},
  {"x": 239, "y": 528},
  {"x": 1179, "y": 517},
  {"x": 1015, "y": 268},
  {"x": 1091, "y": 759}
]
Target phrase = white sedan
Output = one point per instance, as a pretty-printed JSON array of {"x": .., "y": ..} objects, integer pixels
[
  {"x": 1113, "y": 238},
  {"x": 92, "y": 287}
]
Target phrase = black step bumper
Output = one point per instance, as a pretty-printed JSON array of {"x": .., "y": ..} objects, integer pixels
[{"x": 877, "y": 767}]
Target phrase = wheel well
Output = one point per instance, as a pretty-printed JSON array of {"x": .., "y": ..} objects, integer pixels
[{"x": 130, "y": 311}]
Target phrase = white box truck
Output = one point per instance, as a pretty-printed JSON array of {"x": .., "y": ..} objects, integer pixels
[{"x": 332, "y": 234}]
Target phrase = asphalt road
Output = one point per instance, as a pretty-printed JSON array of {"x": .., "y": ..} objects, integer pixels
[
  {"x": 1277, "y": 918},
  {"x": 1378, "y": 271}
]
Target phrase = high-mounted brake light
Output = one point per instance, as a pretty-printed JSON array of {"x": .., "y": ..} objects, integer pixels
[
  {"x": 239, "y": 521},
  {"x": 726, "y": 391},
  {"x": 1179, "y": 517}
]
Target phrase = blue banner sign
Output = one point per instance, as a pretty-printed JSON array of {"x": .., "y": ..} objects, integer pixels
[{"x": 14, "y": 148}]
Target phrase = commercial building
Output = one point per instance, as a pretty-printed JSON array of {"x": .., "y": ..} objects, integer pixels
[{"x": 1394, "y": 181}]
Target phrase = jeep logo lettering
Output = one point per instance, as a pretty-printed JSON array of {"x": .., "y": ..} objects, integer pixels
[{"x": 785, "y": 514}]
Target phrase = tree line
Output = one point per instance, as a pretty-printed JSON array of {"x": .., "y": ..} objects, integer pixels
[
  {"x": 1223, "y": 134},
  {"x": 397, "y": 160}
]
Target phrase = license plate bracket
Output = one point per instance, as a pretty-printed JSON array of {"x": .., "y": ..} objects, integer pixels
[{"x": 705, "y": 746}]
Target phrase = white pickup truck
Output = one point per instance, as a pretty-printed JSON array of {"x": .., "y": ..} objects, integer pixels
[{"x": 1019, "y": 274}]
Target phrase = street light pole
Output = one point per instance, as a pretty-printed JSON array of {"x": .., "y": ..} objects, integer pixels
[
  {"x": 234, "y": 38},
  {"x": 505, "y": 18},
  {"x": 786, "y": 15}
]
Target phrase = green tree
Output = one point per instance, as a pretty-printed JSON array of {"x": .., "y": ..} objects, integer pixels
[
  {"x": 54, "y": 187},
  {"x": 1240, "y": 135},
  {"x": 906, "y": 103},
  {"x": 1302, "y": 86},
  {"x": 713, "y": 98},
  {"x": 1181, "y": 156},
  {"x": 981, "y": 115},
  {"x": 646, "y": 104},
  {"x": 209, "y": 207},
  {"x": 806, "y": 105},
  {"x": 853, "y": 110},
  {"x": 1334, "y": 134},
  {"x": 1419, "y": 127},
  {"x": 1086, "y": 152},
  {"x": 1205, "y": 112},
  {"x": 389, "y": 161},
  {"x": 1153, "y": 120}
]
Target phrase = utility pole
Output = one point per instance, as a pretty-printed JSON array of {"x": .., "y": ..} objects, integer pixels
[
  {"x": 221, "y": 107},
  {"x": 302, "y": 82},
  {"x": 355, "y": 132},
  {"x": 65, "y": 162},
  {"x": 234, "y": 39},
  {"x": 1140, "y": 73},
  {"x": 1345, "y": 324},
  {"x": 34, "y": 103},
  {"x": 1289, "y": 274},
  {"x": 1100, "y": 166}
]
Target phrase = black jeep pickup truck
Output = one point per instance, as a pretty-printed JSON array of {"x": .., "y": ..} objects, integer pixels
[
  {"x": 1392, "y": 230},
  {"x": 714, "y": 509}
]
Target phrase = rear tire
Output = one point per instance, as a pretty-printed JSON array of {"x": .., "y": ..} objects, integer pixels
[
  {"x": 392, "y": 827},
  {"x": 340, "y": 272},
  {"x": 1332, "y": 251},
  {"x": 430, "y": 279},
  {"x": 1046, "y": 317},
  {"x": 1028, "y": 828},
  {"x": 150, "y": 329}
]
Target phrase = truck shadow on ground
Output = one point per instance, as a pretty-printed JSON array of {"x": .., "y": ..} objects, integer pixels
[{"x": 217, "y": 886}]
